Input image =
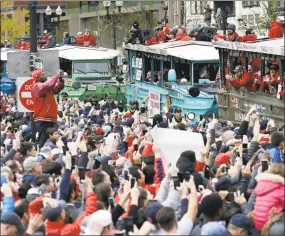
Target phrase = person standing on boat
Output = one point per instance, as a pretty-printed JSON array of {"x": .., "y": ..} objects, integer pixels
[
  {"x": 275, "y": 28},
  {"x": 177, "y": 118}
]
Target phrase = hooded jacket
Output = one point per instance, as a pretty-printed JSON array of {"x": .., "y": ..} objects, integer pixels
[
  {"x": 269, "y": 194},
  {"x": 45, "y": 109},
  {"x": 275, "y": 30},
  {"x": 248, "y": 38}
]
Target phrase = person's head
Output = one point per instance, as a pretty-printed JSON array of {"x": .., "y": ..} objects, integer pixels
[
  {"x": 32, "y": 165},
  {"x": 52, "y": 134},
  {"x": 28, "y": 149},
  {"x": 79, "y": 34},
  {"x": 110, "y": 175},
  {"x": 73, "y": 191},
  {"x": 277, "y": 139},
  {"x": 177, "y": 112},
  {"x": 249, "y": 69},
  {"x": 231, "y": 29},
  {"x": 55, "y": 214},
  {"x": 186, "y": 162},
  {"x": 11, "y": 224},
  {"x": 238, "y": 71},
  {"x": 133, "y": 106},
  {"x": 280, "y": 20},
  {"x": 277, "y": 169},
  {"x": 228, "y": 135},
  {"x": 214, "y": 228},
  {"x": 22, "y": 41},
  {"x": 240, "y": 224},
  {"x": 40, "y": 76},
  {"x": 249, "y": 32},
  {"x": 212, "y": 207},
  {"x": 100, "y": 176},
  {"x": 273, "y": 69},
  {"x": 13, "y": 165},
  {"x": 47, "y": 180},
  {"x": 166, "y": 219},
  {"x": 45, "y": 32},
  {"x": 99, "y": 223},
  {"x": 109, "y": 98},
  {"x": 151, "y": 211},
  {"x": 139, "y": 175},
  {"x": 21, "y": 209},
  {"x": 180, "y": 30},
  {"x": 66, "y": 34},
  {"x": 103, "y": 192},
  {"x": 53, "y": 168}
]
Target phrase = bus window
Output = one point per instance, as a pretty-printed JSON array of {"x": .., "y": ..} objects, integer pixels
[
  {"x": 182, "y": 71},
  {"x": 205, "y": 71},
  {"x": 91, "y": 67},
  {"x": 270, "y": 79}
]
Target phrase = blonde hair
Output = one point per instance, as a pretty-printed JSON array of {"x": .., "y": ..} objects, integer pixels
[
  {"x": 277, "y": 169},
  {"x": 270, "y": 223}
]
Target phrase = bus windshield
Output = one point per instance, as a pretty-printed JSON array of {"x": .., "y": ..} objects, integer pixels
[
  {"x": 205, "y": 71},
  {"x": 91, "y": 67}
]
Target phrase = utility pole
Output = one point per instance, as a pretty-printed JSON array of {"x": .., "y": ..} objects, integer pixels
[
  {"x": 114, "y": 33},
  {"x": 33, "y": 50}
]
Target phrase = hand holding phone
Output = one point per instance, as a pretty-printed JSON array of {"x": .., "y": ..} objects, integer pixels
[
  {"x": 264, "y": 165},
  {"x": 126, "y": 175},
  {"x": 133, "y": 181},
  {"x": 111, "y": 202}
]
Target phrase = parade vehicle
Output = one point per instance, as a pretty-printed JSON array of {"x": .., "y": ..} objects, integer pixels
[
  {"x": 174, "y": 74},
  {"x": 7, "y": 84},
  {"x": 91, "y": 71},
  {"x": 262, "y": 59}
]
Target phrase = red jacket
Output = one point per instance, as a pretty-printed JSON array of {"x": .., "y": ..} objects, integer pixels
[
  {"x": 45, "y": 105},
  {"x": 60, "y": 228},
  {"x": 269, "y": 194},
  {"x": 248, "y": 38},
  {"x": 26, "y": 46},
  {"x": 275, "y": 30},
  {"x": 234, "y": 38},
  {"x": 182, "y": 37},
  {"x": 246, "y": 81},
  {"x": 89, "y": 39},
  {"x": 79, "y": 40}
]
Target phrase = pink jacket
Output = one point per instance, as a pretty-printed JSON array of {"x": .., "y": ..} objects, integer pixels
[{"x": 269, "y": 194}]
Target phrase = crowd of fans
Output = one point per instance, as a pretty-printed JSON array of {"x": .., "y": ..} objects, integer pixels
[{"x": 94, "y": 169}]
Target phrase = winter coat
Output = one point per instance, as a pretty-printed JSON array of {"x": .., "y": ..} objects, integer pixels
[
  {"x": 248, "y": 38},
  {"x": 269, "y": 194},
  {"x": 235, "y": 37},
  {"x": 275, "y": 30}
]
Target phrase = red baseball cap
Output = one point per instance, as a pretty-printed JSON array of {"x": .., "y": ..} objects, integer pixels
[{"x": 223, "y": 158}]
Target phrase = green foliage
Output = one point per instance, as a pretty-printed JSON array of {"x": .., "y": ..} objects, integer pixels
[{"x": 270, "y": 9}]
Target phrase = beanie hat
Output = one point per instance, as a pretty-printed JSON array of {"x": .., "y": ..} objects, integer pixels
[
  {"x": 211, "y": 204},
  {"x": 232, "y": 27},
  {"x": 151, "y": 211}
]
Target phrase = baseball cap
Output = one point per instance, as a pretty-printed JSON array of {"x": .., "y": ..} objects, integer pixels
[
  {"x": 52, "y": 213},
  {"x": 29, "y": 164},
  {"x": 214, "y": 228},
  {"x": 151, "y": 211},
  {"x": 238, "y": 68},
  {"x": 241, "y": 221},
  {"x": 45, "y": 151},
  {"x": 280, "y": 18},
  {"x": 223, "y": 183},
  {"x": 129, "y": 122},
  {"x": 45, "y": 32},
  {"x": 12, "y": 219},
  {"x": 177, "y": 110}
]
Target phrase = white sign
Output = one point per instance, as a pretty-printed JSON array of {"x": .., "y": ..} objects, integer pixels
[
  {"x": 139, "y": 75},
  {"x": 173, "y": 142},
  {"x": 153, "y": 104},
  {"x": 91, "y": 87}
]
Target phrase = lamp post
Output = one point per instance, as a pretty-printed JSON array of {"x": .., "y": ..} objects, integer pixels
[
  {"x": 48, "y": 15},
  {"x": 107, "y": 5},
  {"x": 58, "y": 13},
  {"x": 165, "y": 8}
]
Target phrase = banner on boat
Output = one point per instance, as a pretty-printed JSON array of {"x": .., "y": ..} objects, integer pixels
[{"x": 153, "y": 104}]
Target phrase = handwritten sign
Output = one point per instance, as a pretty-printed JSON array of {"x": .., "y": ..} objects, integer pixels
[
  {"x": 153, "y": 104},
  {"x": 173, "y": 142}
]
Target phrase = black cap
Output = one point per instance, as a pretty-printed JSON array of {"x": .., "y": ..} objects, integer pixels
[
  {"x": 211, "y": 204},
  {"x": 241, "y": 221},
  {"x": 177, "y": 110}
]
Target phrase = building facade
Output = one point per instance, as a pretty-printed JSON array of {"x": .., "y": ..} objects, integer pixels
[{"x": 9, "y": 9}]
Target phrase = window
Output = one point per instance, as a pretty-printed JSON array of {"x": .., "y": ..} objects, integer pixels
[
  {"x": 90, "y": 67},
  {"x": 205, "y": 71},
  {"x": 250, "y": 3},
  {"x": 197, "y": 7}
]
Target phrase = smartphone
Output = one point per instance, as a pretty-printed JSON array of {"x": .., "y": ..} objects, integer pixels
[
  {"x": 126, "y": 175},
  {"x": 207, "y": 172},
  {"x": 186, "y": 176},
  {"x": 144, "y": 132},
  {"x": 111, "y": 202},
  {"x": 111, "y": 162},
  {"x": 136, "y": 147},
  {"x": 97, "y": 164},
  {"x": 15, "y": 130},
  {"x": 180, "y": 177},
  {"x": 133, "y": 181},
  {"x": 176, "y": 182},
  {"x": 129, "y": 224},
  {"x": 258, "y": 109},
  {"x": 81, "y": 174},
  {"x": 201, "y": 188},
  {"x": 230, "y": 197},
  {"x": 264, "y": 164},
  {"x": 152, "y": 200},
  {"x": 225, "y": 169},
  {"x": 244, "y": 146}
]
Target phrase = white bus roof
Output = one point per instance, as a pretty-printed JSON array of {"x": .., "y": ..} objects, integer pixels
[
  {"x": 4, "y": 52},
  {"x": 82, "y": 53},
  {"x": 188, "y": 50},
  {"x": 273, "y": 46}
]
